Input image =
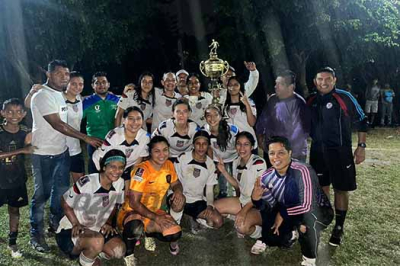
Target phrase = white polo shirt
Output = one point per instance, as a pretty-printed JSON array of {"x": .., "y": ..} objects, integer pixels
[
  {"x": 92, "y": 204},
  {"x": 177, "y": 144},
  {"x": 162, "y": 107},
  {"x": 195, "y": 176},
  {"x": 74, "y": 119},
  {"x": 247, "y": 175},
  {"x": 48, "y": 141},
  {"x": 230, "y": 153},
  {"x": 115, "y": 139}
]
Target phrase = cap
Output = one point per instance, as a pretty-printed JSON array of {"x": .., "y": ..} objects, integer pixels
[{"x": 182, "y": 71}]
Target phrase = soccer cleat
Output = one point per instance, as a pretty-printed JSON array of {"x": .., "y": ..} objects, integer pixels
[
  {"x": 174, "y": 248},
  {"x": 336, "y": 237},
  {"x": 308, "y": 262},
  {"x": 15, "y": 253},
  {"x": 39, "y": 244},
  {"x": 149, "y": 244},
  {"x": 258, "y": 248},
  {"x": 130, "y": 260}
]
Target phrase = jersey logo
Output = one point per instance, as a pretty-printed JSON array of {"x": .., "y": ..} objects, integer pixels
[
  {"x": 138, "y": 175},
  {"x": 97, "y": 108},
  {"x": 83, "y": 180},
  {"x": 329, "y": 105},
  {"x": 106, "y": 201},
  {"x": 75, "y": 108},
  {"x": 180, "y": 143},
  {"x": 168, "y": 178},
  {"x": 128, "y": 152},
  {"x": 199, "y": 105},
  {"x": 232, "y": 111},
  {"x": 196, "y": 172},
  {"x": 143, "y": 107},
  {"x": 168, "y": 102},
  {"x": 239, "y": 176}
]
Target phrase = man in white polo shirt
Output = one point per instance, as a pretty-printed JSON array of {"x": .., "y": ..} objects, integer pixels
[{"x": 50, "y": 161}]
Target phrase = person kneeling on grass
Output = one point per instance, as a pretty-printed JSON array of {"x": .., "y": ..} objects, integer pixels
[
  {"x": 150, "y": 181},
  {"x": 196, "y": 171},
  {"x": 291, "y": 200},
  {"x": 90, "y": 205},
  {"x": 246, "y": 168}
]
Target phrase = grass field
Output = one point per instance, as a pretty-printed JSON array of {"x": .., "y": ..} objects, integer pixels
[{"x": 372, "y": 229}]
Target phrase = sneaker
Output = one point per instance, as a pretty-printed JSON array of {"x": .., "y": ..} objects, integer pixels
[
  {"x": 258, "y": 248},
  {"x": 308, "y": 262},
  {"x": 203, "y": 223},
  {"x": 39, "y": 244},
  {"x": 290, "y": 243},
  {"x": 336, "y": 237},
  {"x": 149, "y": 244},
  {"x": 15, "y": 253},
  {"x": 194, "y": 227},
  {"x": 137, "y": 242},
  {"x": 130, "y": 260},
  {"x": 174, "y": 248}
]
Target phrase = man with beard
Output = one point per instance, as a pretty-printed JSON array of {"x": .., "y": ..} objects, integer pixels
[
  {"x": 50, "y": 161},
  {"x": 99, "y": 112}
]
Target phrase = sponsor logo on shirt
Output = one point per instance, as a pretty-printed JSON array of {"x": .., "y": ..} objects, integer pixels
[{"x": 97, "y": 108}]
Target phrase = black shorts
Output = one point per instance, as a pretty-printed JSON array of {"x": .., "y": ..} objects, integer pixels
[
  {"x": 64, "y": 242},
  {"x": 334, "y": 166},
  {"x": 126, "y": 175},
  {"x": 14, "y": 197},
  {"x": 195, "y": 208},
  {"x": 77, "y": 164}
]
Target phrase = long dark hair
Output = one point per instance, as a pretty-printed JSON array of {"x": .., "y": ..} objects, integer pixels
[
  {"x": 138, "y": 89},
  {"x": 224, "y": 133},
  {"x": 228, "y": 101}
]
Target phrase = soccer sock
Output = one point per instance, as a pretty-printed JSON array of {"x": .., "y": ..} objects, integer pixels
[
  {"x": 340, "y": 217},
  {"x": 12, "y": 238},
  {"x": 176, "y": 215},
  {"x": 85, "y": 261},
  {"x": 257, "y": 232}
]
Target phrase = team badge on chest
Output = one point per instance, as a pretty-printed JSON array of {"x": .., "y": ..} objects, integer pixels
[
  {"x": 106, "y": 201},
  {"x": 142, "y": 106},
  {"x": 199, "y": 105},
  {"x": 168, "y": 102},
  {"x": 75, "y": 108},
  {"x": 329, "y": 105},
  {"x": 239, "y": 176},
  {"x": 180, "y": 143},
  {"x": 233, "y": 111},
  {"x": 196, "y": 172}
]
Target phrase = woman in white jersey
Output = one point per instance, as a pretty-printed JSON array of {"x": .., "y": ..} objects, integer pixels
[
  {"x": 239, "y": 109},
  {"x": 198, "y": 100},
  {"x": 179, "y": 130},
  {"x": 222, "y": 136},
  {"x": 86, "y": 230},
  {"x": 141, "y": 96},
  {"x": 246, "y": 168}
]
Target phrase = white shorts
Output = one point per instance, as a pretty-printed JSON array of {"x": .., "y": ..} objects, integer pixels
[{"x": 371, "y": 107}]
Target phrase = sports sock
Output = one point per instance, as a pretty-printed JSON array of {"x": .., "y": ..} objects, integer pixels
[
  {"x": 12, "y": 238},
  {"x": 85, "y": 261},
  {"x": 257, "y": 232},
  {"x": 176, "y": 215},
  {"x": 340, "y": 216}
]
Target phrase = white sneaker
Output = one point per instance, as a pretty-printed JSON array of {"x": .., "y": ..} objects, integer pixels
[
  {"x": 149, "y": 244},
  {"x": 203, "y": 222},
  {"x": 15, "y": 253},
  {"x": 308, "y": 262},
  {"x": 258, "y": 248},
  {"x": 130, "y": 260}
]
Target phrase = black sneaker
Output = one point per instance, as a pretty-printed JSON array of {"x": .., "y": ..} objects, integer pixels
[
  {"x": 39, "y": 244},
  {"x": 336, "y": 237}
]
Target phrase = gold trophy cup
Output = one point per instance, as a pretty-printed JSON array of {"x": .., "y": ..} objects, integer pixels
[{"x": 214, "y": 68}]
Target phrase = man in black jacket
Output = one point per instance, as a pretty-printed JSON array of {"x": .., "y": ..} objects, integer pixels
[{"x": 333, "y": 113}]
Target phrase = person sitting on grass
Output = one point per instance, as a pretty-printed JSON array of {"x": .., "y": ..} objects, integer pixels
[
  {"x": 150, "y": 181},
  {"x": 15, "y": 142},
  {"x": 291, "y": 200},
  {"x": 246, "y": 168},
  {"x": 196, "y": 171},
  {"x": 86, "y": 231}
]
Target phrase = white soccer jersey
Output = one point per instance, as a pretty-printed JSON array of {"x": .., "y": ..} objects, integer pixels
[
  {"x": 238, "y": 118},
  {"x": 128, "y": 100},
  {"x": 162, "y": 107},
  {"x": 74, "y": 119},
  {"x": 195, "y": 176},
  {"x": 115, "y": 139},
  {"x": 247, "y": 175},
  {"x": 230, "y": 153},
  {"x": 198, "y": 106},
  {"x": 92, "y": 204},
  {"x": 177, "y": 144}
]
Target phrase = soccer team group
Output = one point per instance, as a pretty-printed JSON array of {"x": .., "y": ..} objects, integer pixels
[{"x": 155, "y": 154}]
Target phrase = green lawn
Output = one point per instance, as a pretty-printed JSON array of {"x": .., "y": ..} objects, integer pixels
[{"x": 372, "y": 228}]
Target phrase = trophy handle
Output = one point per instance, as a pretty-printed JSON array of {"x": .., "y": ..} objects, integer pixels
[
  {"x": 202, "y": 67},
  {"x": 226, "y": 68}
]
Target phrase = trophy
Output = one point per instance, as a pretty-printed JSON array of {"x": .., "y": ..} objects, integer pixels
[{"x": 214, "y": 68}]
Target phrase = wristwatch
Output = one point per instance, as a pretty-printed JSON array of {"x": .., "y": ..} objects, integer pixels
[{"x": 362, "y": 145}]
